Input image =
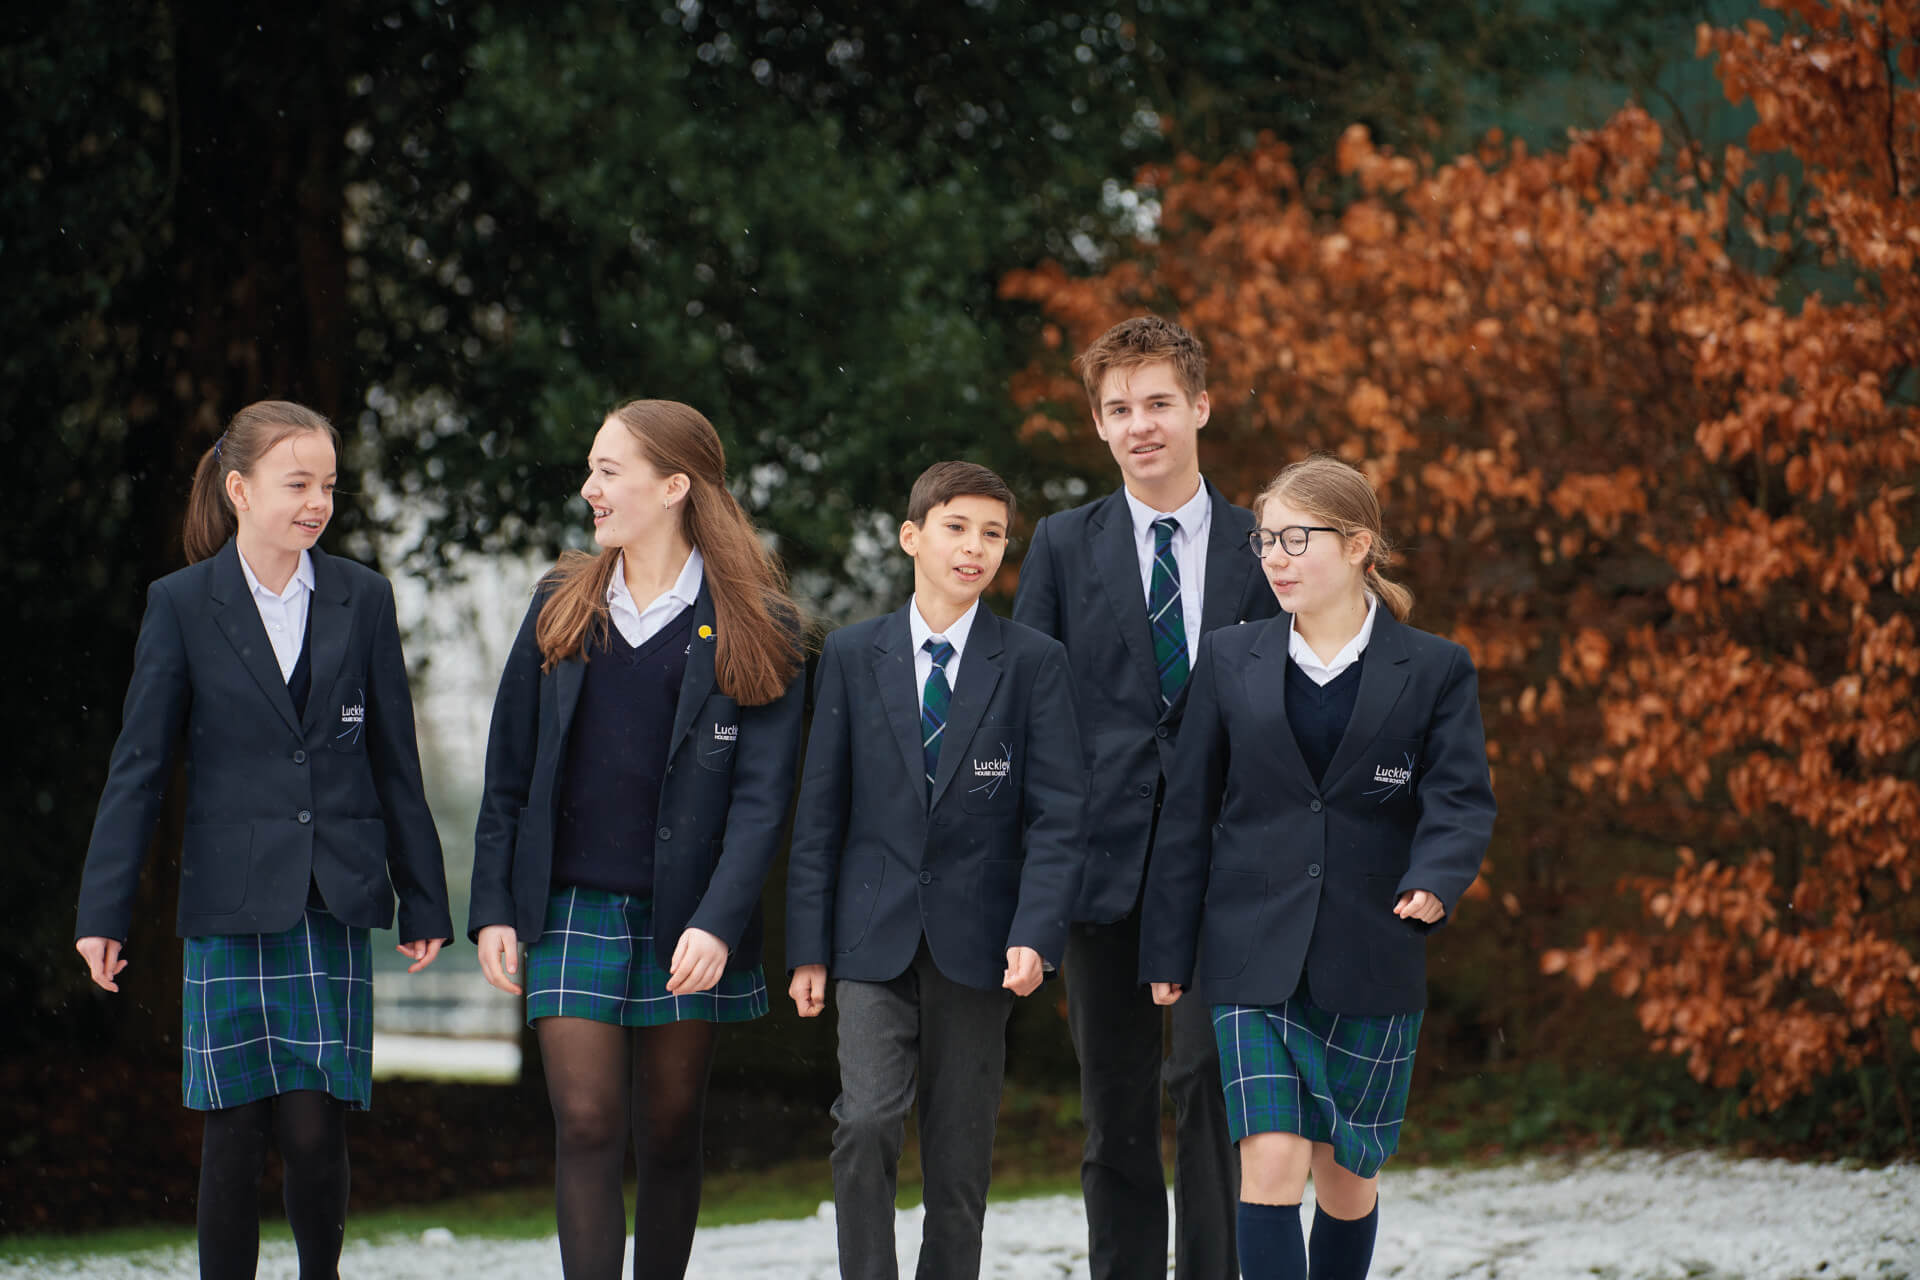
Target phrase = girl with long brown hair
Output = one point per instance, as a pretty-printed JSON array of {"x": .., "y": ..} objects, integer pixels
[
  {"x": 1329, "y": 804},
  {"x": 277, "y": 669},
  {"x": 639, "y": 765}
]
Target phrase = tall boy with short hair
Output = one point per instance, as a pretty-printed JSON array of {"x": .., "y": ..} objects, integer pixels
[
  {"x": 936, "y": 854},
  {"x": 1129, "y": 583}
]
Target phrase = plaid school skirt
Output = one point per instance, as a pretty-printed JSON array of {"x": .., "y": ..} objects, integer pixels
[
  {"x": 595, "y": 960},
  {"x": 265, "y": 1014},
  {"x": 1329, "y": 1077}
]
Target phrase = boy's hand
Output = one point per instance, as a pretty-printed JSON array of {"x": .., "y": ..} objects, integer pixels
[
  {"x": 809, "y": 989},
  {"x": 1418, "y": 904},
  {"x": 1024, "y": 971},
  {"x": 421, "y": 952},
  {"x": 500, "y": 956},
  {"x": 103, "y": 961},
  {"x": 1167, "y": 992},
  {"x": 698, "y": 961}
]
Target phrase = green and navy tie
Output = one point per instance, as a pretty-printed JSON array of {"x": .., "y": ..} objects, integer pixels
[
  {"x": 1164, "y": 611},
  {"x": 933, "y": 705}
]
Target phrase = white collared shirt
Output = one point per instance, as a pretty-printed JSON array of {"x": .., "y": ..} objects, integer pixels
[
  {"x": 283, "y": 615},
  {"x": 1308, "y": 661},
  {"x": 637, "y": 625},
  {"x": 1195, "y": 516},
  {"x": 955, "y": 635}
]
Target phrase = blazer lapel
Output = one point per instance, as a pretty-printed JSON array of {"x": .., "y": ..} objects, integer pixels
[
  {"x": 1382, "y": 676},
  {"x": 1228, "y": 564},
  {"x": 979, "y": 676},
  {"x": 1266, "y": 681},
  {"x": 239, "y": 622},
  {"x": 1117, "y": 565},
  {"x": 696, "y": 682},
  {"x": 893, "y": 673},
  {"x": 327, "y": 632}
]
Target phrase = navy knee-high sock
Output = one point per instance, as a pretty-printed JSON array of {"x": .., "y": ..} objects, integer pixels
[
  {"x": 1342, "y": 1248},
  {"x": 1271, "y": 1247}
]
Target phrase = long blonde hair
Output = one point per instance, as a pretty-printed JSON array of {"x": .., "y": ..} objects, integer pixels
[
  {"x": 252, "y": 434},
  {"x": 1339, "y": 494},
  {"x": 757, "y": 627}
]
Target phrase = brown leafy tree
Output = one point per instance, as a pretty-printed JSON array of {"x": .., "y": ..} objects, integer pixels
[{"x": 1643, "y": 411}]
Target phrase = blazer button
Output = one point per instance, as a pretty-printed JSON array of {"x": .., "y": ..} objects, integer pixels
[
  {"x": 1159, "y": 731},
  {"x": 666, "y": 833},
  {"x": 1313, "y": 869},
  {"x": 926, "y": 877},
  {"x": 1315, "y": 806},
  {"x": 305, "y": 815},
  {"x": 1146, "y": 788},
  {"x": 299, "y": 757}
]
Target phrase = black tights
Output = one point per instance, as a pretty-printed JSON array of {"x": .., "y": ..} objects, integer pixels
[
  {"x": 601, "y": 1079},
  {"x": 310, "y": 1129}
]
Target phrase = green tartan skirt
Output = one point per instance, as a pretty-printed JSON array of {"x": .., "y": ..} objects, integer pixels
[
  {"x": 595, "y": 960},
  {"x": 1335, "y": 1078},
  {"x": 266, "y": 1014}
]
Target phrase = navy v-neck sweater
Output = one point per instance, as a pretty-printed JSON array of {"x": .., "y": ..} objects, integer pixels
[
  {"x": 1318, "y": 713},
  {"x": 617, "y": 751}
]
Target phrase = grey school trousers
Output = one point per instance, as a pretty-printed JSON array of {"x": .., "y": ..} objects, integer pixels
[{"x": 951, "y": 1040}]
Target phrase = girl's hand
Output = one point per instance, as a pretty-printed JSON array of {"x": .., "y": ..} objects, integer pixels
[
  {"x": 500, "y": 956},
  {"x": 809, "y": 989},
  {"x": 1167, "y": 992},
  {"x": 1418, "y": 904},
  {"x": 421, "y": 952},
  {"x": 1024, "y": 971},
  {"x": 103, "y": 960},
  {"x": 698, "y": 962}
]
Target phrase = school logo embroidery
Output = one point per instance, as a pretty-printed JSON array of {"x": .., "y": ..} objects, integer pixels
[
  {"x": 1391, "y": 778},
  {"x": 724, "y": 738},
  {"x": 353, "y": 719},
  {"x": 991, "y": 775}
]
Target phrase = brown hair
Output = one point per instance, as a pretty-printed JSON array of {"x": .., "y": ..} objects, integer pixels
[
  {"x": 253, "y": 433},
  {"x": 757, "y": 627},
  {"x": 1143, "y": 340},
  {"x": 944, "y": 481},
  {"x": 1332, "y": 491}
]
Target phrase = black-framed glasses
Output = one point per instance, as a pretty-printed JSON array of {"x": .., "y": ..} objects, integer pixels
[{"x": 1293, "y": 538}]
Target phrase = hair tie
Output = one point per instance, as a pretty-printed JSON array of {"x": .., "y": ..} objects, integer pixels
[{"x": 216, "y": 446}]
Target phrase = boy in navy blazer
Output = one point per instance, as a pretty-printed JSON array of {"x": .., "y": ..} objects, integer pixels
[
  {"x": 1129, "y": 583},
  {"x": 936, "y": 854}
]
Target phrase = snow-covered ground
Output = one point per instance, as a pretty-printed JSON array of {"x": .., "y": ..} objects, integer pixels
[{"x": 1621, "y": 1217}]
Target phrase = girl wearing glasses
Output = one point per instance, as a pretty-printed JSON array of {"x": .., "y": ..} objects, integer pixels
[{"x": 1329, "y": 802}]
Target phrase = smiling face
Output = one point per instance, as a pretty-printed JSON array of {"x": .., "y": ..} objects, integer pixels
[
  {"x": 1152, "y": 428},
  {"x": 956, "y": 551},
  {"x": 631, "y": 501},
  {"x": 283, "y": 505},
  {"x": 1325, "y": 578}
]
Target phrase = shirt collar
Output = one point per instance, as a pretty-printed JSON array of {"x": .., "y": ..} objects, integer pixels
[
  {"x": 1188, "y": 513},
  {"x": 1303, "y": 655},
  {"x": 302, "y": 574},
  {"x": 684, "y": 591},
  {"x": 955, "y": 635}
]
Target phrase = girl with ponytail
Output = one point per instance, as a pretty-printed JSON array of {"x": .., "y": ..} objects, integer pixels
[
  {"x": 1328, "y": 804},
  {"x": 277, "y": 669},
  {"x": 639, "y": 767}
]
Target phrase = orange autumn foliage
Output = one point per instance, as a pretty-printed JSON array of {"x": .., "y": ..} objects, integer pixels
[{"x": 1661, "y": 488}]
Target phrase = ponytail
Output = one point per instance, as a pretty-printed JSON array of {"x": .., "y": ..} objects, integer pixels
[
  {"x": 1398, "y": 599},
  {"x": 256, "y": 429}
]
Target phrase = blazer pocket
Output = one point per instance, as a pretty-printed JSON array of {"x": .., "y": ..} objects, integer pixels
[
  {"x": 986, "y": 780},
  {"x": 215, "y": 859},
  {"x": 1396, "y": 948},
  {"x": 346, "y": 714},
  {"x": 714, "y": 736},
  {"x": 860, "y": 877},
  {"x": 1231, "y": 923}
]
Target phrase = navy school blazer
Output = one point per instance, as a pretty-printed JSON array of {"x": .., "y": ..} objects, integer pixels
[
  {"x": 992, "y": 861},
  {"x": 1080, "y": 583},
  {"x": 274, "y": 801},
  {"x": 723, "y": 802},
  {"x": 1265, "y": 874}
]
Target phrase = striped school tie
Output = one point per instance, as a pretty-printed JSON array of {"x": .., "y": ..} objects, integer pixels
[
  {"x": 933, "y": 705},
  {"x": 1164, "y": 611}
]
